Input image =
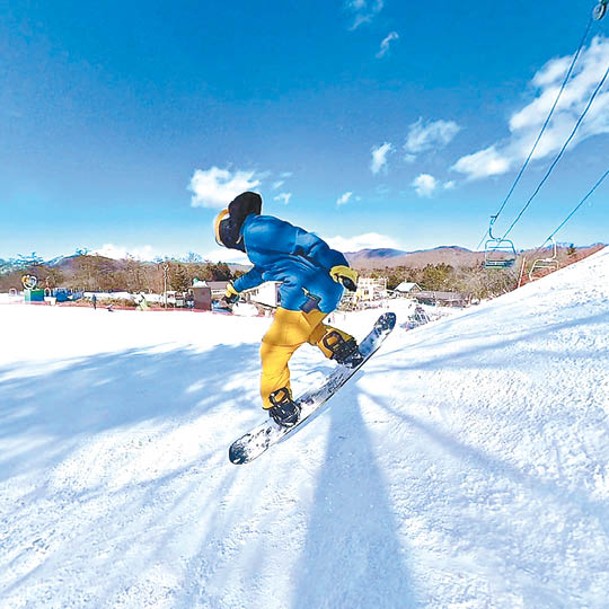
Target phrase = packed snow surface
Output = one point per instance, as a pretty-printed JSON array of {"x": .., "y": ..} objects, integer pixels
[{"x": 466, "y": 466}]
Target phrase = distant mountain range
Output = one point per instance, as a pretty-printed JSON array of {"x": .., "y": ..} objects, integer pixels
[
  {"x": 385, "y": 257},
  {"x": 379, "y": 258},
  {"x": 453, "y": 255}
]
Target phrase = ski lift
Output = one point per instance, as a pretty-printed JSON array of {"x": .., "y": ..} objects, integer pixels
[
  {"x": 599, "y": 10},
  {"x": 498, "y": 253},
  {"x": 543, "y": 266}
]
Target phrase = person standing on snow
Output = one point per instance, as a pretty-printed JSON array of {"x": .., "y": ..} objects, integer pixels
[{"x": 313, "y": 277}]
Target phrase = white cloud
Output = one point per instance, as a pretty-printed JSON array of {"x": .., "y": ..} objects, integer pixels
[
  {"x": 425, "y": 185},
  {"x": 283, "y": 197},
  {"x": 223, "y": 254},
  {"x": 216, "y": 187},
  {"x": 364, "y": 11},
  {"x": 428, "y": 135},
  {"x": 526, "y": 124},
  {"x": 385, "y": 44},
  {"x": 360, "y": 242},
  {"x": 277, "y": 185},
  {"x": 344, "y": 198},
  {"x": 379, "y": 157},
  {"x": 482, "y": 164},
  {"x": 119, "y": 252}
]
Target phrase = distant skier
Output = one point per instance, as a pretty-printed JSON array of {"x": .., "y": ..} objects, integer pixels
[{"x": 312, "y": 276}]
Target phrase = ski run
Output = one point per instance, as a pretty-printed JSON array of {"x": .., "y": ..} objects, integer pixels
[{"x": 466, "y": 466}]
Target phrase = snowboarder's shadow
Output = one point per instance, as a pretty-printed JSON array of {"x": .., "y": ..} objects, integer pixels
[{"x": 352, "y": 548}]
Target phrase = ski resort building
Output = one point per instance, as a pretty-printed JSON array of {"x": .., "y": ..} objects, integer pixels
[
  {"x": 407, "y": 288},
  {"x": 443, "y": 299},
  {"x": 371, "y": 288},
  {"x": 265, "y": 294}
]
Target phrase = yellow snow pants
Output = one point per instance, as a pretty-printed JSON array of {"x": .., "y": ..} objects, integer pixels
[{"x": 289, "y": 331}]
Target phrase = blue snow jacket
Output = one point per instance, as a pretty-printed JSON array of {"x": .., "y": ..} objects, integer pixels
[{"x": 300, "y": 260}]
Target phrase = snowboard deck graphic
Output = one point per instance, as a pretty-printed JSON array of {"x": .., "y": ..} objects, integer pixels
[{"x": 258, "y": 440}]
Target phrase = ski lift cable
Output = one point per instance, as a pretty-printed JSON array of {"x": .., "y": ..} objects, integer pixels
[
  {"x": 544, "y": 126},
  {"x": 547, "y": 121},
  {"x": 560, "y": 154},
  {"x": 574, "y": 210}
]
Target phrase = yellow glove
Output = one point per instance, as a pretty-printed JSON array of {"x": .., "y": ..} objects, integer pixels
[
  {"x": 345, "y": 275},
  {"x": 230, "y": 295}
]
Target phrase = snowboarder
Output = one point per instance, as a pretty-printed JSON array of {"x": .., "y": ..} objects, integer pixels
[{"x": 312, "y": 276}]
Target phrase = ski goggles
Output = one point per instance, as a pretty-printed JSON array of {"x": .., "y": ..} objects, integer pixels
[
  {"x": 218, "y": 228},
  {"x": 226, "y": 234}
]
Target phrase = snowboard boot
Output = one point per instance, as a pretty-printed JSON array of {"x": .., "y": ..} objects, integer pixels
[
  {"x": 344, "y": 351},
  {"x": 284, "y": 411}
]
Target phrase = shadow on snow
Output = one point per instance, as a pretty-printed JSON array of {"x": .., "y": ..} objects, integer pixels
[
  {"x": 352, "y": 556},
  {"x": 52, "y": 411}
]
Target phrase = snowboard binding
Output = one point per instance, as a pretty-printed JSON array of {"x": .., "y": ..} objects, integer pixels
[
  {"x": 344, "y": 351},
  {"x": 284, "y": 411}
]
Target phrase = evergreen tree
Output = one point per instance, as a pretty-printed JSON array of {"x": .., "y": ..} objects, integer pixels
[{"x": 178, "y": 277}]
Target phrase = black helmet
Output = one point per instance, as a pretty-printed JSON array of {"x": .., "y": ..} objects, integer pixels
[{"x": 228, "y": 223}]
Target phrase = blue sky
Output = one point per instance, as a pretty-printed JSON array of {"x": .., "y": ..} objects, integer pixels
[{"x": 126, "y": 126}]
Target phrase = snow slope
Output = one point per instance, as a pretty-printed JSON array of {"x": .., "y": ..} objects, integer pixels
[{"x": 466, "y": 467}]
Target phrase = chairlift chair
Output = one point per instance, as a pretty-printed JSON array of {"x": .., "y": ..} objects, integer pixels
[
  {"x": 541, "y": 266},
  {"x": 498, "y": 253}
]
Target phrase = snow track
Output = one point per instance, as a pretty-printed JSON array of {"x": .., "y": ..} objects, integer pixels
[{"x": 466, "y": 467}]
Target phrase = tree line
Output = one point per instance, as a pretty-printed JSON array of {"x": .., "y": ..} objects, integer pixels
[
  {"x": 87, "y": 272},
  {"x": 475, "y": 281},
  {"x": 93, "y": 273}
]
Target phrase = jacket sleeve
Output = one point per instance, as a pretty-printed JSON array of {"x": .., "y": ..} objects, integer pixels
[
  {"x": 311, "y": 247},
  {"x": 251, "y": 279}
]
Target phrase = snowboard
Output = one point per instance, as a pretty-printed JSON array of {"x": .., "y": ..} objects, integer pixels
[{"x": 251, "y": 445}]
